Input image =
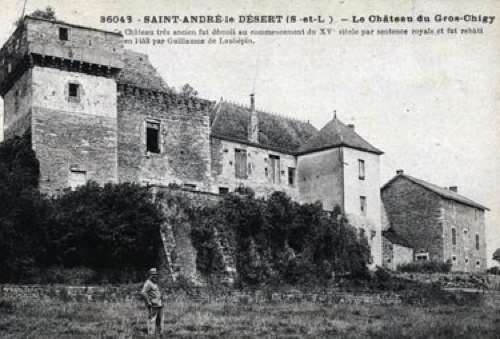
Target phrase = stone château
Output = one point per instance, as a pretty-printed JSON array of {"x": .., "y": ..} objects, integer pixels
[{"x": 97, "y": 111}]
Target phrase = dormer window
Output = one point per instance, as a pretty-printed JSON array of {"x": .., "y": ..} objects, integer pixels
[{"x": 63, "y": 34}]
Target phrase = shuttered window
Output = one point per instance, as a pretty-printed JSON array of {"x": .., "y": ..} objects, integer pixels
[
  {"x": 240, "y": 162},
  {"x": 274, "y": 164}
]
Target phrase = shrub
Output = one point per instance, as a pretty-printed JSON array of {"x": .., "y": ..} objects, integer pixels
[
  {"x": 277, "y": 240},
  {"x": 115, "y": 227},
  {"x": 425, "y": 267}
]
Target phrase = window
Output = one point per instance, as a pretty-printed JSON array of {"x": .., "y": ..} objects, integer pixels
[
  {"x": 453, "y": 236},
  {"x": 478, "y": 263},
  {"x": 77, "y": 178},
  {"x": 466, "y": 260},
  {"x": 74, "y": 91},
  {"x": 274, "y": 162},
  {"x": 361, "y": 169},
  {"x": 190, "y": 186},
  {"x": 291, "y": 176},
  {"x": 240, "y": 163},
  {"x": 454, "y": 258},
  {"x": 422, "y": 256},
  {"x": 223, "y": 190},
  {"x": 466, "y": 232},
  {"x": 63, "y": 34},
  {"x": 477, "y": 241},
  {"x": 153, "y": 137},
  {"x": 362, "y": 205}
]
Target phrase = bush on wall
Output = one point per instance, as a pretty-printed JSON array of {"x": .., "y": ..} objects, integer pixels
[{"x": 278, "y": 240}]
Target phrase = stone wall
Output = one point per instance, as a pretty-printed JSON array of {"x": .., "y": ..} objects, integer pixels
[
  {"x": 258, "y": 169},
  {"x": 395, "y": 255},
  {"x": 184, "y": 156},
  {"x": 468, "y": 222},
  {"x": 368, "y": 187},
  {"x": 84, "y": 44},
  {"x": 320, "y": 178},
  {"x": 416, "y": 215},
  {"x": 130, "y": 293},
  {"x": 73, "y": 135},
  {"x": 178, "y": 257},
  {"x": 17, "y": 107}
]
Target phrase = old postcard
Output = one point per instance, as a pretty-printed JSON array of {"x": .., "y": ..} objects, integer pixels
[{"x": 384, "y": 113}]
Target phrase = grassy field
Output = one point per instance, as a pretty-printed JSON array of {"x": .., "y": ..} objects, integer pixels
[{"x": 56, "y": 319}]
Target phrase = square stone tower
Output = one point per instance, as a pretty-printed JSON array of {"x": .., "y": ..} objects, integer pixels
[{"x": 58, "y": 83}]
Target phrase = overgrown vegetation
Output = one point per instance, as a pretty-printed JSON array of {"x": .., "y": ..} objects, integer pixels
[
  {"x": 278, "y": 240},
  {"x": 106, "y": 229},
  {"x": 425, "y": 267},
  {"x": 116, "y": 228},
  {"x": 48, "y": 13}
]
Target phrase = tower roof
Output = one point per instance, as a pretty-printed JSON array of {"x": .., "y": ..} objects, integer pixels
[{"x": 336, "y": 134}]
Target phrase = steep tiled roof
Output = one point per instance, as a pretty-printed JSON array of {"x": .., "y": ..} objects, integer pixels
[
  {"x": 230, "y": 121},
  {"x": 335, "y": 134},
  {"x": 442, "y": 192},
  {"x": 395, "y": 238},
  {"x": 138, "y": 71}
]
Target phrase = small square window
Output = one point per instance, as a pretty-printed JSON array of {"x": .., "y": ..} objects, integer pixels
[
  {"x": 478, "y": 263},
  {"x": 74, "y": 91},
  {"x": 63, "y": 34},
  {"x": 77, "y": 178},
  {"x": 223, "y": 190},
  {"x": 466, "y": 260},
  {"x": 454, "y": 258}
]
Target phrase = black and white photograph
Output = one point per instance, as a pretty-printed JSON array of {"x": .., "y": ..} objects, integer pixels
[{"x": 225, "y": 169}]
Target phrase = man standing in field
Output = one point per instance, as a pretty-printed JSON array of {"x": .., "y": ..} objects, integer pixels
[{"x": 152, "y": 295}]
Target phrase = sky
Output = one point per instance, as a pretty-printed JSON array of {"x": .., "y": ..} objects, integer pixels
[{"x": 431, "y": 103}]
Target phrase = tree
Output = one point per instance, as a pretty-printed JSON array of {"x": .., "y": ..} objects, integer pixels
[
  {"x": 189, "y": 91},
  {"x": 48, "y": 13},
  {"x": 496, "y": 255}
]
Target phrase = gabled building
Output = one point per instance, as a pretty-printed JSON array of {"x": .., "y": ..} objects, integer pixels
[
  {"x": 96, "y": 111},
  {"x": 438, "y": 223}
]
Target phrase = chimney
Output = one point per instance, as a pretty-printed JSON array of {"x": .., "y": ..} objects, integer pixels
[
  {"x": 400, "y": 171},
  {"x": 253, "y": 126},
  {"x": 351, "y": 126},
  {"x": 453, "y": 188}
]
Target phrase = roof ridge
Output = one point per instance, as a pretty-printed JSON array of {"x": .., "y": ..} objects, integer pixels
[
  {"x": 441, "y": 191},
  {"x": 264, "y": 111}
]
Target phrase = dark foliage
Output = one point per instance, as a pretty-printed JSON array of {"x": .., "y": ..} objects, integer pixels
[
  {"x": 278, "y": 240},
  {"x": 48, "y": 13},
  {"x": 115, "y": 227}
]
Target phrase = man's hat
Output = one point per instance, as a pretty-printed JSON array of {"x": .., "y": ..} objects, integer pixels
[{"x": 153, "y": 271}]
